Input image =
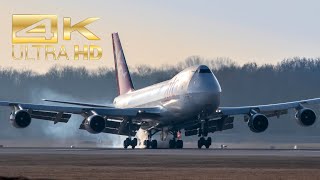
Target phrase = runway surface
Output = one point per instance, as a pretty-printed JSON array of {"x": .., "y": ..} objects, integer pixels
[
  {"x": 175, "y": 152},
  {"x": 100, "y": 163}
]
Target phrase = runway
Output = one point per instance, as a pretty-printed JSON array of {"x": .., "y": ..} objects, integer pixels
[
  {"x": 102, "y": 163},
  {"x": 174, "y": 152}
]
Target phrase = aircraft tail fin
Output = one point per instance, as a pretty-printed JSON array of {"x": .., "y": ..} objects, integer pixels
[{"x": 122, "y": 72}]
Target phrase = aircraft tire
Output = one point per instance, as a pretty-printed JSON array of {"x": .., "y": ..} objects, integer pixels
[
  {"x": 147, "y": 144},
  {"x": 134, "y": 143},
  {"x": 154, "y": 144},
  {"x": 126, "y": 143},
  {"x": 172, "y": 144},
  {"x": 179, "y": 144},
  {"x": 208, "y": 142},
  {"x": 201, "y": 142}
]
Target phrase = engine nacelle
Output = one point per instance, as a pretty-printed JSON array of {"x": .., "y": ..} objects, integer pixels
[
  {"x": 20, "y": 119},
  {"x": 258, "y": 123},
  {"x": 95, "y": 124},
  {"x": 306, "y": 117}
]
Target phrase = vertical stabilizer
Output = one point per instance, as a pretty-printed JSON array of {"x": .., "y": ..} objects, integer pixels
[{"x": 122, "y": 72}]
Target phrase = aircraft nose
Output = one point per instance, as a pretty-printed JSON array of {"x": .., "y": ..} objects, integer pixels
[{"x": 204, "y": 80}]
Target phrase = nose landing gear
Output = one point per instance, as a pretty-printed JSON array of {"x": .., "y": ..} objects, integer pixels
[
  {"x": 203, "y": 142},
  {"x": 203, "y": 132}
]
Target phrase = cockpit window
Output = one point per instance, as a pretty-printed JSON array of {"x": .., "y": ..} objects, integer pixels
[{"x": 204, "y": 71}]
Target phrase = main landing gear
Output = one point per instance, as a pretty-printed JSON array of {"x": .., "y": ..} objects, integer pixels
[
  {"x": 151, "y": 144},
  {"x": 203, "y": 142},
  {"x": 176, "y": 142},
  {"x": 129, "y": 141}
]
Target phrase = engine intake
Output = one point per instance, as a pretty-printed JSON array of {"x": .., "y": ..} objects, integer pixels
[
  {"x": 20, "y": 119},
  {"x": 258, "y": 123},
  {"x": 306, "y": 117},
  {"x": 95, "y": 124}
]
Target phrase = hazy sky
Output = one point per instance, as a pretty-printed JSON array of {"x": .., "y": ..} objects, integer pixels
[{"x": 167, "y": 31}]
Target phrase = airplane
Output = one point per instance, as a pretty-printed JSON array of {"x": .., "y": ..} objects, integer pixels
[{"x": 190, "y": 101}]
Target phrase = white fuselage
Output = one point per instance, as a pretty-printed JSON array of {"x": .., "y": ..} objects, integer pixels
[{"x": 183, "y": 97}]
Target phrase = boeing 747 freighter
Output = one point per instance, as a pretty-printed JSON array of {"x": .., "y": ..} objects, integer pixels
[{"x": 190, "y": 101}]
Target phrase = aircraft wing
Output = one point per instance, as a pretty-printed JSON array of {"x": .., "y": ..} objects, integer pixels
[
  {"x": 269, "y": 109},
  {"x": 223, "y": 118},
  {"x": 79, "y": 103},
  {"x": 108, "y": 112},
  {"x": 96, "y": 119}
]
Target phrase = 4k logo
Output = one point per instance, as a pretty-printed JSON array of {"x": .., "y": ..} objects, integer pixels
[
  {"x": 34, "y": 29},
  {"x": 36, "y": 36},
  {"x": 44, "y": 29}
]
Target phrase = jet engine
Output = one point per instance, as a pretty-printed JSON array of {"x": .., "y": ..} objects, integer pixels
[
  {"x": 258, "y": 123},
  {"x": 20, "y": 119},
  {"x": 95, "y": 124},
  {"x": 306, "y": 117}
]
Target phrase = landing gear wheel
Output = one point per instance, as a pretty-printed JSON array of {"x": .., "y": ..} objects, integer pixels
[
  {"x": 154, "y": 144},
  {"x": 147, "y": 144},
  {"x": 126, "y": 143},
  {"x": 172, "y": 144},
  {"x": 134, "y": 143},
  {"x": 208, "y": 142},
  {"x": 179, "y": 144},
  {"x": 201, "y": 142}
]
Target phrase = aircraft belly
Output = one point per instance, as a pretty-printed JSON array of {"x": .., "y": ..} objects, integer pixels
[
  {"x": 182, "y": 107},
  {"x": 189, "y": 106}
]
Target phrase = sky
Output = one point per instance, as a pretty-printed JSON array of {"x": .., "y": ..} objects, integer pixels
[{"x": 166, "y": 32}]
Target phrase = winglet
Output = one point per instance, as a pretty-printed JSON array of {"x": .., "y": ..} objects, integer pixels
[{"x": 122, "y": 72}]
